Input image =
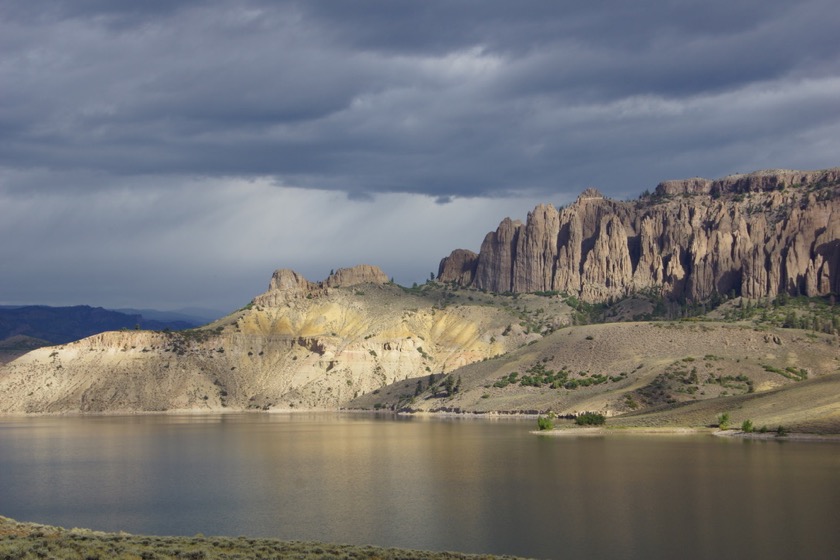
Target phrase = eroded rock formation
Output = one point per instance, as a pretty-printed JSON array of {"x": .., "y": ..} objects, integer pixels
[
  {"x": 353, "y": 276},
  {"x": 287, "y": 284},
  {"x": 754, "y": 235}
]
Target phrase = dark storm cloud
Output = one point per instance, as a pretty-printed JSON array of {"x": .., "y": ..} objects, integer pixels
[
  {"x": 442, "y": 98},
  {"x": 164, "y": 153}
]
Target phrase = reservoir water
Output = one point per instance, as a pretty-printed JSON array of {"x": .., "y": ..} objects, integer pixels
[{"x": 477, "y": 486}]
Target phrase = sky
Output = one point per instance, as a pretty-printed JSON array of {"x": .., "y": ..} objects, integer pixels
[{"x": 166, "y": 155}]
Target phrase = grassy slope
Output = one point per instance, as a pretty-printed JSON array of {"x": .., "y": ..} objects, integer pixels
[
  {"x": 678, "y": 372},
  {"x": 812, "y": 406},
  {"x": 29, "y": 540}
]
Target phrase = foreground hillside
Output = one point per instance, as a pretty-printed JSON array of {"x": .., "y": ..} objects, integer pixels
[
  {"x": 300, "y": 345},
  {"x": 31, "y": 540}
]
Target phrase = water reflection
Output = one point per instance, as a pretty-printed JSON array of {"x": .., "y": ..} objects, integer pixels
[{"x": 439, "y": 484}]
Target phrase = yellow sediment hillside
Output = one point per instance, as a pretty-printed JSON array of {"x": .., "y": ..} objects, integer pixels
[{"x": 318, "y": 350}]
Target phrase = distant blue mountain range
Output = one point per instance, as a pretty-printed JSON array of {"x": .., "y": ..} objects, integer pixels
[{"x": 65, "y": 324}]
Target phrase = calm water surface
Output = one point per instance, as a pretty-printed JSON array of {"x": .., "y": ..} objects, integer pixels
[{"x": 443, "y": 484}]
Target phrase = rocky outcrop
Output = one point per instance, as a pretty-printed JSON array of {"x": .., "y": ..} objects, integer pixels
[
  {"x": 287, "y": 280},
  {"x": 755, "y": 235},
  {"x": 287, "y": 284},
  {"x": 459, "y": 267},
  {"x": 353, "y": 276}
]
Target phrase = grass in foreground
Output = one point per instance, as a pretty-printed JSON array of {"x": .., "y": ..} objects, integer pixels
[{"x": 25, "y": 541}]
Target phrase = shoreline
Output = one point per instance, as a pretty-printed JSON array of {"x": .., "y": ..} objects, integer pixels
[
  {"x": 653, "y": 431},
  {"x": 569, "y": 431},
  {"x": 633, "y": 430},
  {"x": 768, "y": 436},
  {"x": 277, "y": 411}
]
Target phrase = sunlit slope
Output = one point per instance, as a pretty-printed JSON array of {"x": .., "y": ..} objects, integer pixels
[{"x": 314, "y": 351}]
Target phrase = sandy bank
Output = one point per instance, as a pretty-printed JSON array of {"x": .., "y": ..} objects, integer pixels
[
  {"x": 600, "y": 431},
  {"x": 773, "y": 436},
  {"x": 604, "y": 431}
]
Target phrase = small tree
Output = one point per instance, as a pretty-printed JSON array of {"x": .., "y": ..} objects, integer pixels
[
  {"x": 790, "y": 321},
  {"x": 449, "y": 384},
  {"x": 747, "y": 426},
  {"x": 723, "y": 421},
  {"x": 545, "y": 422}
]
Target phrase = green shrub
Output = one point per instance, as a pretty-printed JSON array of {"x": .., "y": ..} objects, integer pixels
[
  {"x": 747, "y": 426},
  {"x": 590, "y": 419},
  {"x": 723, "y": 421},
  {"x": 545, "y": 423}
]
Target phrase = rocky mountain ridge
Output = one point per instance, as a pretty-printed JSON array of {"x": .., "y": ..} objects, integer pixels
[
  {"x": 478, "y": 341},
  {"x": 755, "y": 235}
]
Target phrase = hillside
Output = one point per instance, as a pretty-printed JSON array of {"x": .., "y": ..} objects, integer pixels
[
  {"x": 622, "y": 368},
  {"x": 812, "y": 406},
  {"x": 298, "y": 345}
]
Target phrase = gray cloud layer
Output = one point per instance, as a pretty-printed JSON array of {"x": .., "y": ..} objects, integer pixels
[{"x": 149, "y": 101}]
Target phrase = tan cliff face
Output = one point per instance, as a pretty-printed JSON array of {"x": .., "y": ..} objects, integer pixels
[
  {"x": 756, "y": 235},
  {"x": 299, "y": 345}
]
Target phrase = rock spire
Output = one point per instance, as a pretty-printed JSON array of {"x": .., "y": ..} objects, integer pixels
[{"x": 754, "y": 235}]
